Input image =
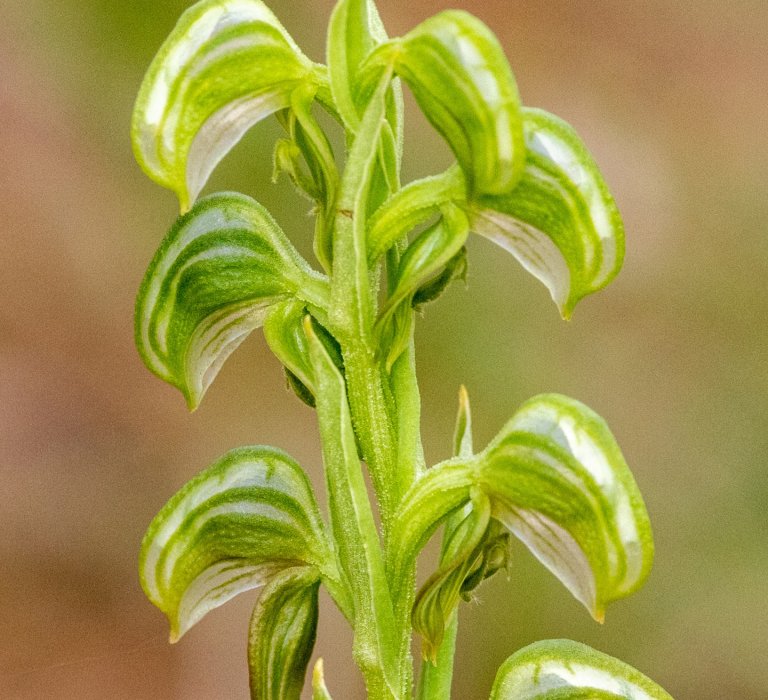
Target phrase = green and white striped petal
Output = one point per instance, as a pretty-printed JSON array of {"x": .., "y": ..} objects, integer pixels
[
  {"x": 563, "y": 670},
  {"x": 461, "y": 79},
  {"x": 282, "y": 634},
  {"x": 219, "y": 270},
  {"x": 240, "y": 522},
  {"x": 226, "y": 65},
  {"x": 560, "y": 221},
  {"x": 557, "y": 479}
]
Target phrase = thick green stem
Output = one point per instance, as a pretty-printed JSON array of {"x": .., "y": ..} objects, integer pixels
[
  {"x": 354, "y": 531},
  {"x": 353, "y": 310},
  {"x": 410, "y": 458},
  {"x": 384, "y": 407},
  {"x": 378, "y": 636}
]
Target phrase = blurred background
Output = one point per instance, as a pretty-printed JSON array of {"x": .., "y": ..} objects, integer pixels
[{"x": 670, "y": 98}]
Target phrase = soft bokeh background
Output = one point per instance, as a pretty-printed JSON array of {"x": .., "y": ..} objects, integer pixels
[{"x": 670, "y": 97}]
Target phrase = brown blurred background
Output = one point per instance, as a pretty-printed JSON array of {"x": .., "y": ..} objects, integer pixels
[{"x": 671, "y": 99}]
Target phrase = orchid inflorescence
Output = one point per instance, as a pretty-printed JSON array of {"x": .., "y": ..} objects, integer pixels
[{"x": 343, "y": 329}]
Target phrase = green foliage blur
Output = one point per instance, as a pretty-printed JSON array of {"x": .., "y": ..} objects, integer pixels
[{"x": 670, "y": 98}]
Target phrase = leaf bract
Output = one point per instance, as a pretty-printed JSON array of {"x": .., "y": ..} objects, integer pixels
[{"x": 354, "y": 31}]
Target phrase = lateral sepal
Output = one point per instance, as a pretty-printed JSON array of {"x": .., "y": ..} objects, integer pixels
[
  {"x": 429, "y": 261},
  {"x": 411, "y": 206},
  {"x": 560, "y": 221},
  {"x": 218, "y": 272},
  {"x": 559, "y": 669},
  {"x": 242, "y": 521}
]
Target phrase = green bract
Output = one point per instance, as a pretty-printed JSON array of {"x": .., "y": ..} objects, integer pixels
[
  {"x": 355, "y": 30},
  {"x": 563, "y": 670},
  {"x": 554, "y": 476},
  {"x": 227, "y": 65}
]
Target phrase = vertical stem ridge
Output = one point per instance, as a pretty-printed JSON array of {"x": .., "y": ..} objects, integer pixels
[
  {"x": 353, "y": 308},
  {"x": 354, "y": 530}
]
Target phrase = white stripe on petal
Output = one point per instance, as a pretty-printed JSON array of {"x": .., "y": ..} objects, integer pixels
[
  {"x": 551, "y": 668},
  {"x": 556, "y": 549},
  {"x": 222, "y": 131},
  {"x": 534, "y": 249},
  {"x": 215, "y": 586}
]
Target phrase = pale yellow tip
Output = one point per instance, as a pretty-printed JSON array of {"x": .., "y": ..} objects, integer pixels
[{"x": 318, "y": 673}]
